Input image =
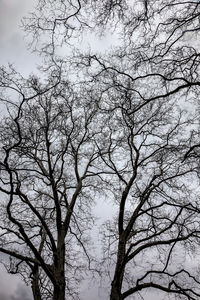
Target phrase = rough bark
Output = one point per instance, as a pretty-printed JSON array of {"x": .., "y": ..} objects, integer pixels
[
  {"x": 59, "y": 286},
  {"x": 35, "y": 285},
  {"x": 119, "y": 271},
  {"x": 59, "y": 292}
]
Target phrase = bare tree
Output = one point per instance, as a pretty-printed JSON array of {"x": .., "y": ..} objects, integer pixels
[
  {"x": 124, "y": 127},
  {"x": 47, "y": 153},
  {"x": 147, "y": 136}
]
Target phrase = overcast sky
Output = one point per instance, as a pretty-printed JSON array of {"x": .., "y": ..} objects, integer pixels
[{"x": 13, "y": 47}]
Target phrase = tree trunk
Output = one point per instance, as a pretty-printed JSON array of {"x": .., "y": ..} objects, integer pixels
[
  {"x": 35, "y": 284},
  {"x": 119, "y": 271},
  {"x": 115, "y": 293},
  {"x": 36, "y": 291},
  {"x": 60, "y": 285},
  {"x": 59, "y": 292}
]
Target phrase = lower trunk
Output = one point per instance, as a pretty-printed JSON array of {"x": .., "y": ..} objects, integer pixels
[
  {"x": 115, "y": 293},
  {"x": 60, "y": 283},
  {"x": 36, "y": 292},
  {"x": 35, "y": 285},
  {"x": 59, "y": 292},
  {"x": 119, "y": 271}
]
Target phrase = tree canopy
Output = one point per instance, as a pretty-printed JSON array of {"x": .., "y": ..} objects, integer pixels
[{"x": 118, "y": 126}]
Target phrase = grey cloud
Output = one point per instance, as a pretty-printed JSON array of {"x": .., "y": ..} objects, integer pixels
[
  {"x": 11, "y": 12},
  {"x": 8, "y": 284},
  {"x": 12, "y": 287},
  {"x": 13, "y": 46},
  {"x": 22, "y": 293},
  {"x": 4, "y": 296}
]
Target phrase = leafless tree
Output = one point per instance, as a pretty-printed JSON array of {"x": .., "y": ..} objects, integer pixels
[
  {"x": 47, "y": 153},
  {"x": 147, "y": 137},
  {"x": 123, "y": 125}
]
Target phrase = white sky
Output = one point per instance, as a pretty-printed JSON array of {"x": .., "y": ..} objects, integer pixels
[{"x": 13, "y": 47}]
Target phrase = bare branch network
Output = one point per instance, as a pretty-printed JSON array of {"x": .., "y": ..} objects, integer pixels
[{"x": 119, "y": 126}]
